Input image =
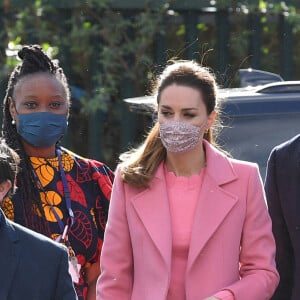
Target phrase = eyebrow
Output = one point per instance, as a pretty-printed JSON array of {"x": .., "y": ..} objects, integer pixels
[
  {"x": 184, "y": 109},
  {"x": 37, "y": 96}
]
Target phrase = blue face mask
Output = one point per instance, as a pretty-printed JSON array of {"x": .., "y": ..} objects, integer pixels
[{"x": 42, "y": 129}]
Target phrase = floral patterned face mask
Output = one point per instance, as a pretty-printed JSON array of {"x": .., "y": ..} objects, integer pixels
[{"x": 179, "y": 137}]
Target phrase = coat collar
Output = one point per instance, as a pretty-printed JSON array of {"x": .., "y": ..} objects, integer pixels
[
  {"x": 152, "y": 207},
  {"x": 7, "y": 228},
  {"x": 214, "y": 204},
  {"x": 10, "y": 254},
  {"x": 215, "y": 161}
]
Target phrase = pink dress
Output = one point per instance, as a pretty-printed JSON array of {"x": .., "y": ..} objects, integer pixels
[{"x": 183, "y": 194}]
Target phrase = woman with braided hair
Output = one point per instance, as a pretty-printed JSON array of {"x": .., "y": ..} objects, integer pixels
[{"x": 60, "y": 194}]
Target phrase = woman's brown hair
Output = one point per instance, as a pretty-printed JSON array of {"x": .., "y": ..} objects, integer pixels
[{"x": 138, "y": 165}]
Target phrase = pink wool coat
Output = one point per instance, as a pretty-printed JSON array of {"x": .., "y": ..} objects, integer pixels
[{"x": 231, "y": 247}]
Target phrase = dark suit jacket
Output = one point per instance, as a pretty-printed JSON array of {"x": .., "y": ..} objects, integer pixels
[
  {"x": 282, "y": 186},
  {"x": 32, "y": 266}
]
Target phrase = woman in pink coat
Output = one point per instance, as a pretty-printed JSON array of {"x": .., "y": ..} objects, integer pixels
[{"x": 186, "y": 222}]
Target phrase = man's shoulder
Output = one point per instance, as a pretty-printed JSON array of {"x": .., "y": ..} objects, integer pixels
[
  {"x": 27, "y": 236},
  {"x": 288, "y": 145}
]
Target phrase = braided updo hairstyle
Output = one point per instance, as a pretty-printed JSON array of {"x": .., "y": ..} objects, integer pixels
[{"x": 34, "y": 61}]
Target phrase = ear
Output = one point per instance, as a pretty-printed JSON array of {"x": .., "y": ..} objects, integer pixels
[
  {"x": 12, "y": 108},
  {"x": 5, "y": 186},
  {"x": 211, "y": 118}
]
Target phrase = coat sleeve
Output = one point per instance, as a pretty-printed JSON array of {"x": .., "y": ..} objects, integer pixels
[
  {"x": 259, "y": 277},
  {"x": 64, "y": 286},
  {"x": 284, "y": 251},
  {"x": 115, "y": 281}
]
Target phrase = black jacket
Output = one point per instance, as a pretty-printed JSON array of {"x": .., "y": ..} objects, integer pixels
[
  {"x": 282, "y": 187},
  {"x": 32, "y": 266}
]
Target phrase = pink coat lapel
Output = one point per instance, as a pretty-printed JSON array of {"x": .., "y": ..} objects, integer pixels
[
  {"x": 214, "y": 202},
  {"x": 152, "y": 207}
]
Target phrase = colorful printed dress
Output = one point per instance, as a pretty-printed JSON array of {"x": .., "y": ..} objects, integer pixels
[{"x": 89, "y": 183}]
